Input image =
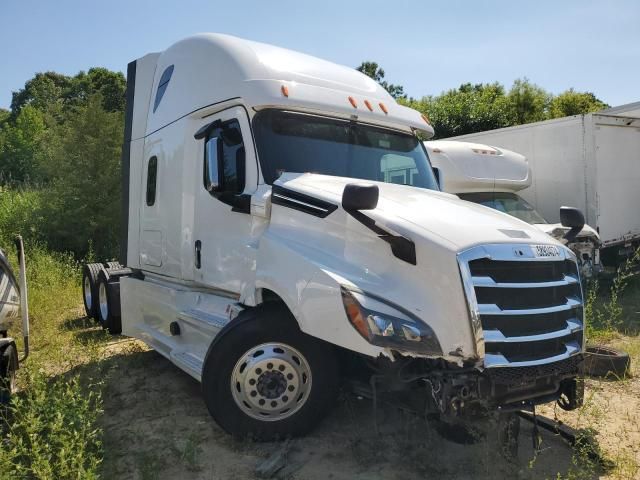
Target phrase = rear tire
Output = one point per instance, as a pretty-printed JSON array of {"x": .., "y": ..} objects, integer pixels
[
  {"x": 107, "y": 308},
  {"x": 8, "y": 368},
  {"x": 89, "y": 288},
  {"x": 265, "y": 379}
]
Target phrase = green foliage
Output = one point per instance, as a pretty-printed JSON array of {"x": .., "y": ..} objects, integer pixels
[
  {"x": 52, "y": 432},
  {"x": 83, "y": 198},
  {"x": 467, "y": 109},
  {"x": 60, "y": 153},
  {"x": 56, "y": 93},
  {"x": 527, "y": 102},
  {"x": 371, "y": 69},
  {"x": 20, "y": 146},
  {"x": 574, "y": 103},
  {"x": 604, "y": 315}
]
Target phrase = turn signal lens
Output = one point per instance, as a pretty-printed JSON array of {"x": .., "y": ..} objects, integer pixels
[
  {"x": 353, "y": 103},
  {"x": 285, "y": 90},
  {"x": 368, "y": 105},
  {"x": 383, "y": 108},
  {"x": 426, "y": 119},
  {"x": 355, "y": 314}
]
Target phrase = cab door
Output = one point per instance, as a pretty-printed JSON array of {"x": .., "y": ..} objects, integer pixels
[{"x": 223, "y": 257}]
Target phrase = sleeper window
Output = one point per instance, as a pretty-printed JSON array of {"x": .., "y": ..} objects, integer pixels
[
  {"x": 162, "y": 86},
  {"x": 152, "y": 179}
]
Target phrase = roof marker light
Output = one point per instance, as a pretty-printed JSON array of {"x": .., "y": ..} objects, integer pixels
[
  {"x": 368, "y": 105},
  {"x": 285, "y": 90},
  {"x": 383, "y": 108},
  {"x": 353, "y": 103},
  {"x": 483, "y": 151}
]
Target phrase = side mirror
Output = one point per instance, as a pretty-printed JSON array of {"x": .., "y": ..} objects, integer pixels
[
  {"x": 360, "y": 197},
  {"x": 437, "y": 174},
  {"x": 213, "y": 166},
  {"x": 572, "y": 218}
]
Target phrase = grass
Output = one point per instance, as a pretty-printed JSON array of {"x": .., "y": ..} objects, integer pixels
[{"x": 51, "y": 427}]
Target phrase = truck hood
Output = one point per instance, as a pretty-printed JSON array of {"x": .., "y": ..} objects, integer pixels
[{"x": 443, "y": 218}]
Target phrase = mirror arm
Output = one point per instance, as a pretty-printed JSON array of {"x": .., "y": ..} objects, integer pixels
[
  {"x": 401, "y": 246},
  {"x": 571, "y": 235}
]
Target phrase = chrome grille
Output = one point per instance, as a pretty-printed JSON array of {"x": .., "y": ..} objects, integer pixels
[{"x": 525, "y": 310}]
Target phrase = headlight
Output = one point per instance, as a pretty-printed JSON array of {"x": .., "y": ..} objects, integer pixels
[{"x": 386, "y": 325}]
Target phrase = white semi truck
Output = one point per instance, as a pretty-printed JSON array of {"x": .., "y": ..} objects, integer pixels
[
  {"x": 494, "y": 178},
  {"x": 590, "y": 161},
  {"x": 267, "y": 255}
]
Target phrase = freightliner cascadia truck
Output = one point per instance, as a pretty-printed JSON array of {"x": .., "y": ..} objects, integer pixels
[
  {"x": 494, "y": 177},
  {"x": 266, "y": 254}
]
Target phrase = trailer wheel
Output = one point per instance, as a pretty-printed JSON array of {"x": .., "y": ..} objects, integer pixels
[
  {"x": 90, "y": 288},
  {"x": 108, "y": 311},
  {"x": 8, "y": 368},
  {"x": 265, "y": 379}
]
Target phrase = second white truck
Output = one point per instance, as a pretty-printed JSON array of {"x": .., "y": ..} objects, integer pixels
[
  {"x": 270, "y": 254},
  {"x": 494, "y": 178}
]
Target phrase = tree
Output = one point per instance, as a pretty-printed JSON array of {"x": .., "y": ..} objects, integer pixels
[
  {"x": 527, "y": 102},
  {"x": 20, "y": 146},
  {"x": 57, "y": 94},
  {"x": 84, "y": 193},
  {"x": 467, "y": 109},
  {"x": 44, "y": 91},
  {"x": 571, "y": 102},
  {"x": 372, "y": 70}
]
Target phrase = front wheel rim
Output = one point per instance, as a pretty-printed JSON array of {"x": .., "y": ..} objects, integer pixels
[
  {"x": 87, "y": 293},
  {"x": 104, "y": 306},
  {"x": 271, "y": 381}
]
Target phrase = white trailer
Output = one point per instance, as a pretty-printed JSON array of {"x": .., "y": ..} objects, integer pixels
[
  {"x": 268, "y": 251},
  {"x": 588, "y": 161}
]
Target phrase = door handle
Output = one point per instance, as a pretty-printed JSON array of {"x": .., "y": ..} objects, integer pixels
[{"x": 198, "y": 251}]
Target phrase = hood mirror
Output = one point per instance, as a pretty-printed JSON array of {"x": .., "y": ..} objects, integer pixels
[
  {"x": 574, "y": 219},
  {"x": 360, "y": 197}
]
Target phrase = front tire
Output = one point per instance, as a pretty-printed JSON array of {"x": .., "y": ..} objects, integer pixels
[{"x": 265, "y": 379}]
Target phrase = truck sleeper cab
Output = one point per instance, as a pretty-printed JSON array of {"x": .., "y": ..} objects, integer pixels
[{"x": 269, "y": 253}]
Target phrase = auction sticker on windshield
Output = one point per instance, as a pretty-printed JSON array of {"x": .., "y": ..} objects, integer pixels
[{"x": 546, "y": 251}]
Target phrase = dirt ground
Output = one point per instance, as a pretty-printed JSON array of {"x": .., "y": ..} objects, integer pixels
[{"x": 156, "y": 426}]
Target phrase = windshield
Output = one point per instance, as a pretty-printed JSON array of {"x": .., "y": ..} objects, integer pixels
[
  {"x": 505, "y": 202},
  {"x": 301, "y": 143}
]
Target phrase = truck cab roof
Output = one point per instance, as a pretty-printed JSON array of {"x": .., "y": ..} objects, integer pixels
[
  {"x": 473, "y": 167},
  {"x": 211, "y": 68}
]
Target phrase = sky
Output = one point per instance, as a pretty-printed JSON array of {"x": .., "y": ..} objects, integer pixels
[{"x": 426, "y": 46}]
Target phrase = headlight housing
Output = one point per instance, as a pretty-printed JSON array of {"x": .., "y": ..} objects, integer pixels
[{"x": 385, "y": 325}]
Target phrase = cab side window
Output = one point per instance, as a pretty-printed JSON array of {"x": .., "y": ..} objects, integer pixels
[{"x": 226, "y": 144}]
